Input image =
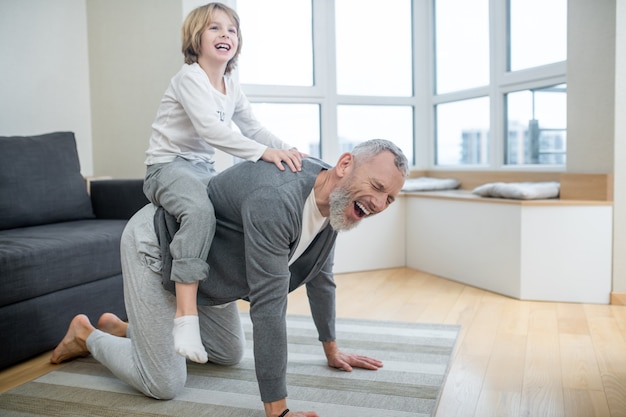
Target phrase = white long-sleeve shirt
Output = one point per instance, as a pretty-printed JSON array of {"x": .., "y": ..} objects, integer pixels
[{"x": 194, "y": 118}]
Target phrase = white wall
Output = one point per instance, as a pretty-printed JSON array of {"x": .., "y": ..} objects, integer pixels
[
  {"x": 590, "y": 86},
  {"x": 44, "y": 71},
  {"x": 619, "y": 206},
  {"x": 134, "y": 50}
]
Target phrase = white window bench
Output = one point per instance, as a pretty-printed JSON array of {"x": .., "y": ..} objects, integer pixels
[{"x": 549, "y": 250}]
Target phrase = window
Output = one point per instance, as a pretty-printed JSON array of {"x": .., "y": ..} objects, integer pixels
[
  {"x": 463, "y": 132},
  {"x": 536, "y": 123},
  {"x": 462, "y": 48},
  {"x": 355, "y": 123},
  {"x": 297, "y": 124},
  {"x": 275, "y": 50},
  {"x": 538, "y": 33},
  {"x": 500, "y": 91},
  {"x": 374, "y": 55},
  {"x": 327, "y": 78},
  {"x": 459, "y": 83}
]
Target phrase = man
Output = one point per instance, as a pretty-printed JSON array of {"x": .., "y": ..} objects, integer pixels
[{"x": 275, "y": 232}]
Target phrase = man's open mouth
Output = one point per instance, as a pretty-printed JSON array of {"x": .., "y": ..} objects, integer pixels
[
  {"x": 361, "y": 210},
  {"x": 223, "y": 46}
]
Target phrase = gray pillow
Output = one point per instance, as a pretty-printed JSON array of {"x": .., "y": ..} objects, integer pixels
[
  {"x": 519, "y": 190},
  {"x": 40, "y": 181},
  {"x": 430, "y": 184}
]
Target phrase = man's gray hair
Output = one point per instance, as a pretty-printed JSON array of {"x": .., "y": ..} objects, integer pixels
[{"x": 370, "y": 148}]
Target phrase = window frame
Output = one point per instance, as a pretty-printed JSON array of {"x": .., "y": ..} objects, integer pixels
[
  {"x": 501, "y": 82},
  {"x": 324, "y": 89},
  {"x": 423, "y": 99},
  {"x": 321, "y": 92}
]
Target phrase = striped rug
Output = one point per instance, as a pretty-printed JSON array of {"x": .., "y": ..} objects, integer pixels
[{"x": 416, "y": 359}]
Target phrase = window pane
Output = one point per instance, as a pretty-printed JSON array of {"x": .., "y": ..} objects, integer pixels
[
  {"x": 296, "y": 124},
  {"x": 462, "y": 44},
  {"x": 276, "y": 50},
  {"x": 536, "y": 126},
  {"x": 374, "y": 47},
  {"x": 463, "y": 132},
  {"x": 538, "y": 32},
  {"x": 357, "y": 124}
]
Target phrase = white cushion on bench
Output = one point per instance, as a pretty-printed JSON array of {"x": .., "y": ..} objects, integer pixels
[
  {"x": 430, "y": 184},
  {"x": 519, "y": 190}
]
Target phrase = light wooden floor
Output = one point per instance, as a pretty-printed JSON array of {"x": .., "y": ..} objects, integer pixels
[{"x": 513, "y": 358}]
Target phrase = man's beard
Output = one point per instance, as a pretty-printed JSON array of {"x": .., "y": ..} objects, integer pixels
[{"x": 339, "y": 200}]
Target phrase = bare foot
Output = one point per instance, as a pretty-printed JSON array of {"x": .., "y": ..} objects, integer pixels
[
  {"x": 110, "y": 323},
  {"x": 74, "y": 343}
]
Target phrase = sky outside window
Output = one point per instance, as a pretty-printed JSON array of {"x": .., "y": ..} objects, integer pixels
[
  {"x": 296, "y": 124},
  {"x": 538, "y": 33},
  {"x": 374, "y": 52},
  {"x": 462, "y": 44},
  {"x": 276, "y": 50},
  {"x": 357, "y": 124},
  {"x": 463, "y": 132}
]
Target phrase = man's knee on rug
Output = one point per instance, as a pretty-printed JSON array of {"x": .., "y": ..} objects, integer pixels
[
  {"x": 225, "y": 347},
  {"x": 227, "y": 357},
  {"x": 167, "y": 387}
]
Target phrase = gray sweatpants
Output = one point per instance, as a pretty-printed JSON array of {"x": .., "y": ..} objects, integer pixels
[
  {"x": 146, "y": 358},
  {"x": 180, "y": 187}
]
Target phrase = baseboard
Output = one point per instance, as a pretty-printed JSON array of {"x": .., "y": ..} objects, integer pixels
[{"x": 618, "y": 298}]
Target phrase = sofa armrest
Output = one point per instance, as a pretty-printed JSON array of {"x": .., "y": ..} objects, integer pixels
[{"x": 117, "y": 199}]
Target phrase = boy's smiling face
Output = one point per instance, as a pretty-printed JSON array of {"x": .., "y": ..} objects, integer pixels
[{"x": 219, "y": 41}]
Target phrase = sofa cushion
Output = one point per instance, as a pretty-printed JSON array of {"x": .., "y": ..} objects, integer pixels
[
  {"x": 43, "y": 259},
  {"x": 34, "y": 326},
  {"x": 40, "y": 181}
]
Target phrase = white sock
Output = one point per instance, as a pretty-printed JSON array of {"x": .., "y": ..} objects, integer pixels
[{"x": 187, "y": 340}]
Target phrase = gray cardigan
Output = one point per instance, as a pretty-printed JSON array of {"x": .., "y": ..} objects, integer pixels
[{"x": 259, "y": 223}]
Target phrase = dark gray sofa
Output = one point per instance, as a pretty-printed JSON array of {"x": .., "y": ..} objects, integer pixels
[{"x": 59, "y": 244}]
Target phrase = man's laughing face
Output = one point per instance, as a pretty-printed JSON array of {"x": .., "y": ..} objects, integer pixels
[{"x": 369, "y": 188}]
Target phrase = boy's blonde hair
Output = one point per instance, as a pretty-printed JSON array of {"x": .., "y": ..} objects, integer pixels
[{"x": 195, "y": 24}]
